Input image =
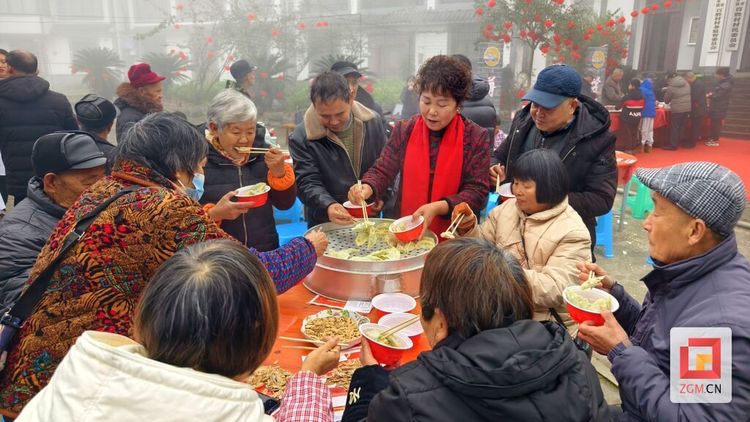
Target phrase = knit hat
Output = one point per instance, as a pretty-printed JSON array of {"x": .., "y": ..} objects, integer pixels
[
  {"x": 553, "y": 85},
  {"x": 703, "y": 190},
  {"x": 141, "y": 75},
  {"x": 67, "y": 150}
]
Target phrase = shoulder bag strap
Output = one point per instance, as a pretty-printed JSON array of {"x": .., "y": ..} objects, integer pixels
[{"x": 25, "y": 305}]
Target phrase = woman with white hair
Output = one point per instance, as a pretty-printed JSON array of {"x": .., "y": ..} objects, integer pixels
[{"x": 231, "y": 127}]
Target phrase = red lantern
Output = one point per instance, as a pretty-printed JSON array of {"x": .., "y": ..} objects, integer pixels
[
  {"x": 210, "y": 54},
  {"x": 479, "y": 11},
  {"x": 557, "y": 38},
  {"x": 557, "y": 49},
  {"x": 520, "y": 93},
  {"x": 548, "y": 23},
  {"x": 571, "y": 24},
  {"x": 561, "y": 59},
  {"x": 528, "y": 1},
  {"x": 575, "y": 47},
  {"x": 264, "y": 93},
  {"x": 621, "y": 19},
  {"x": 611, "y": 22},
  {"x": 491, "y": 3},
  {"x": 506, "y": 38},
  {"x": 655, "y": 6},
  {"x": 508, "y": 25},
  {"x": 667, "y": 4},
  {"x": 599, "y": 27},
  {"x": 250, "y": 17},
  {"x": 522, "y": 34},
  {"x": 263, "y": 74},
  {"x": 544, "y": 49},
  {"x": 209, "y": 40},
  {"x": 645, "y": 10},
  {"x": 370, "y": 87},
  {"x": 567, "y": 41},
  {"x": 301, "y": 25},
  {"x": 587, "y": 37},
  {"x": 489, "y": 27},
  {"x": 182, "y": 55},
  {"x": 634, "y": 13},
  {"x": 275, "y": 33}
]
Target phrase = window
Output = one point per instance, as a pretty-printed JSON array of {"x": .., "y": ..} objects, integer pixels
[{"x": 694, "y": 31}]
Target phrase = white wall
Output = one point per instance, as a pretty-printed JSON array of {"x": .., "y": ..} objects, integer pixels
[{"x": 686, "y": 53}]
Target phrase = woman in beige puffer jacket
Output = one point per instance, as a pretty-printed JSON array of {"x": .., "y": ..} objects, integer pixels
[{"x": 540, "y": 229}]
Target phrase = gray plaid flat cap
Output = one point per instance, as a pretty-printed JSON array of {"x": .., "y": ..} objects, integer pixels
[{"x": 703, "y": 190}]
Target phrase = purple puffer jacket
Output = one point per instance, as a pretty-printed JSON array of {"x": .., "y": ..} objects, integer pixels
[{"x": 710, "y": 290}]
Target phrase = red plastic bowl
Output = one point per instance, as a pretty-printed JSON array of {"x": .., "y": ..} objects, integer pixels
[
  {"x": 257, "y": 200},
  {"x": 412, "y": 232},
  {"x": 414, "y": 331},
  {"x": 506, "y": 192},
  {"x": 580, "y": 315},
  {"x": 356, "y": 210},
  {"x": 390, "y": 303},
  {"x": 387, "y": 355}
]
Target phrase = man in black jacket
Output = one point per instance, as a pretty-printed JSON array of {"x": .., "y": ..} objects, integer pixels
[
  {"x": 478, "y": 107},
  {"x": 28, "y": 110},
  {"x": 65, "y": 164},
  {"x": 574, "y": 126},
  {"x": 698, "y": 108},
  {"x": 338, "y": 141}
]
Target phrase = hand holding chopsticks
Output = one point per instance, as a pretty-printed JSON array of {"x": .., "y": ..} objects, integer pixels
[
  {"x": 363, "y": 203},
  {"x": 254, "y": 150},
  {"x": 450, "y": 233},
  {"x": 305, "y": 340}
]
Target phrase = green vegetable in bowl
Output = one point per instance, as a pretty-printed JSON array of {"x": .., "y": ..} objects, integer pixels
[
  {"x": 587, "y": 304},
  {"x": 255, "y": 189}
]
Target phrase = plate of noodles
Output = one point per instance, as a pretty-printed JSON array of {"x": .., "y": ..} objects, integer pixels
[{"x": 331, "y": 322}]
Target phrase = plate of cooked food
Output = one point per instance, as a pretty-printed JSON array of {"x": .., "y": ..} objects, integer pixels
[{"x": 332, "y": 322}]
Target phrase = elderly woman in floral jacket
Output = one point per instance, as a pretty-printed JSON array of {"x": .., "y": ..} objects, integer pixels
[
  {"x": 540, "y": 228},
  {"x": 98, "y": 282}
]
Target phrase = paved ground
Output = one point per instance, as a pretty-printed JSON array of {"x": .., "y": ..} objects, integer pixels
[{"x": 628, "y": 266}]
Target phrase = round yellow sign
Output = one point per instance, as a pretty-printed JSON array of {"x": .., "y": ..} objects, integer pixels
[
  {"x": 598, "y": 59},
  {"x": 492, "y": 56}
]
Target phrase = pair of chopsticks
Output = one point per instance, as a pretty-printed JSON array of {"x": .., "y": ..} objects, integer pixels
[
  {"x": 396, "y": 328},
  {"x": 364, "y": 206},
  {"x": 454, "y": 224},
  {"x": 497, "y": 185},
  {"x": 258, "y": 150},
  {"x": 304, "y": 340}
]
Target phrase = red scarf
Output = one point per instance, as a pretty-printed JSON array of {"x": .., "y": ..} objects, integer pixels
[{"x": 448, "y": 169}]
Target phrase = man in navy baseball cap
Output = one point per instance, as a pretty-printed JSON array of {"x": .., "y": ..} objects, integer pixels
[{"x": 576, "y": 127}]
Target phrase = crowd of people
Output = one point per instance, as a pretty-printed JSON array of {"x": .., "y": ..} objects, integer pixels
[
  {"x": 139, "y": 287},
  {"x": 691, "y": 104}
]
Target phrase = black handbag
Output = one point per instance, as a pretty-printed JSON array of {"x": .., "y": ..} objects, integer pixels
[
  {"x": 580, "y": 344},
  {"x": 13, "y": 320}
]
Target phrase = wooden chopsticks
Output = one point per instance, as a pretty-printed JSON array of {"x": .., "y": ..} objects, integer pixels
[
  {"x": 257, "y": 150},
  {"x": 364, "y": 206},
  {"x": 454, "y": 225},
  {"x": 397, "y": 328},
  {"x": 304, "y": 340}
]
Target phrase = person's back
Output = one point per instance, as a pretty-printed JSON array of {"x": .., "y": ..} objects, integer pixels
[
  {"x": 28, "y": 110},
  {"x": 479, "y": 108},
  {"x": 678, "y": 95}
]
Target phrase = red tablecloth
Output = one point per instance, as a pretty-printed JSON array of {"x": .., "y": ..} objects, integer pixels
[{"x": 661, "y": 119}]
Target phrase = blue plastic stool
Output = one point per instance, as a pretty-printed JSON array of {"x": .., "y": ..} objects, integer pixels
[
  {"x": 604, "y": 234},
  {"x": 287, "y": 232},
  {"x": 294, "y": 214}
]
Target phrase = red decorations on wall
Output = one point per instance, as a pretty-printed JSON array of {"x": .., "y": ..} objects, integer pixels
[
  {"x": 210, "y": 54},
  {"x": 182, "y": 55},
  {"x": 557, "y": 38},
  {"x": 508, "y": 25},
  {"x": 645, "y": 11},
  {"x": 479, "y": 11},
  {"x": 301, "y": 25},
  {"x": 599, "y": 27},
  {"x": 544, "y": 49},
  {"x": 506, "y": 38},
  {"x": 667, "y": 4},
  {"x": 251, "y": 17},
  {"x": 655, "y": 6},
  {"x": 571, "y": 24},
  {"x": 491, "y": 3},
  {"x": 621, "y": 19},
  {"x": 634, "y": 13},
  {"x": 210, "y": 40},
  {"x": 567, "y": 41},
  {"x": 548, "y": 23}
]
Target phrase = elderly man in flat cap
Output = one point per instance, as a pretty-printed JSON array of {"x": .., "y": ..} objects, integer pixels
[{"x": 692, "y": 332}]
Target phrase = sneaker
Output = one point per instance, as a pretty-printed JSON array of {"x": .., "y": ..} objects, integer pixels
[
  {"x": 647, "y": 148},
  {"x": 712, "y": 143}
]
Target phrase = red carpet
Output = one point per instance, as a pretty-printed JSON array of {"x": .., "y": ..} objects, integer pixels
[{"x": 732, "y": 153}]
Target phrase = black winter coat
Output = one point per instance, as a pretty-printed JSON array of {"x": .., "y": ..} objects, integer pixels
[
  {"x": 698, "y": 107},
  {"x": 719, "y": 99},
  {"x": 127, "y": 116},
  {"x": 28, "y": 110},
  {"x": 588, "y": 154},
  {"x": 23, "y": 233},
  {"x": 322, "y": 166},
  {"x": 257, "y": 227},
  {"x": 529, "y": 371},
  {"x": 479, "y": 108}
]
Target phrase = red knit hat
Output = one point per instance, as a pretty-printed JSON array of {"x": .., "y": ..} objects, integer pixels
[{"x": 141, "y": 75}]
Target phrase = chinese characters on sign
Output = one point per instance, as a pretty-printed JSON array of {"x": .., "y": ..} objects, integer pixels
[
  {"x": 717, "y": 22},
  {"x": 735, "y": 24}
]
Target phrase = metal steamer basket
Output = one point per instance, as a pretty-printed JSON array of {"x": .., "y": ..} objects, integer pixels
[{"x": 344, "y": 279}]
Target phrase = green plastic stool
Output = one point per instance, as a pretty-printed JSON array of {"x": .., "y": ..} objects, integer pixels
[{"x": 639, "y": 204}]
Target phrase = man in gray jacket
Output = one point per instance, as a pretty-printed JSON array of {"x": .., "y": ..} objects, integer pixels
[
  {"x": 699, "y": 280},
  {"x": 612, "y": 92},
  {"x": 677, "y": 94},
  {"x": 65, "y": 164}
]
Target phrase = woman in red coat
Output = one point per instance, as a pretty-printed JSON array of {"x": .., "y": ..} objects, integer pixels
[{"x": 442, "y": 157}]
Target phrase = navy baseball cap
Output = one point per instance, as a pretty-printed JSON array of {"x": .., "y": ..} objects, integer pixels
[{"x": 553, "y": 85}]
